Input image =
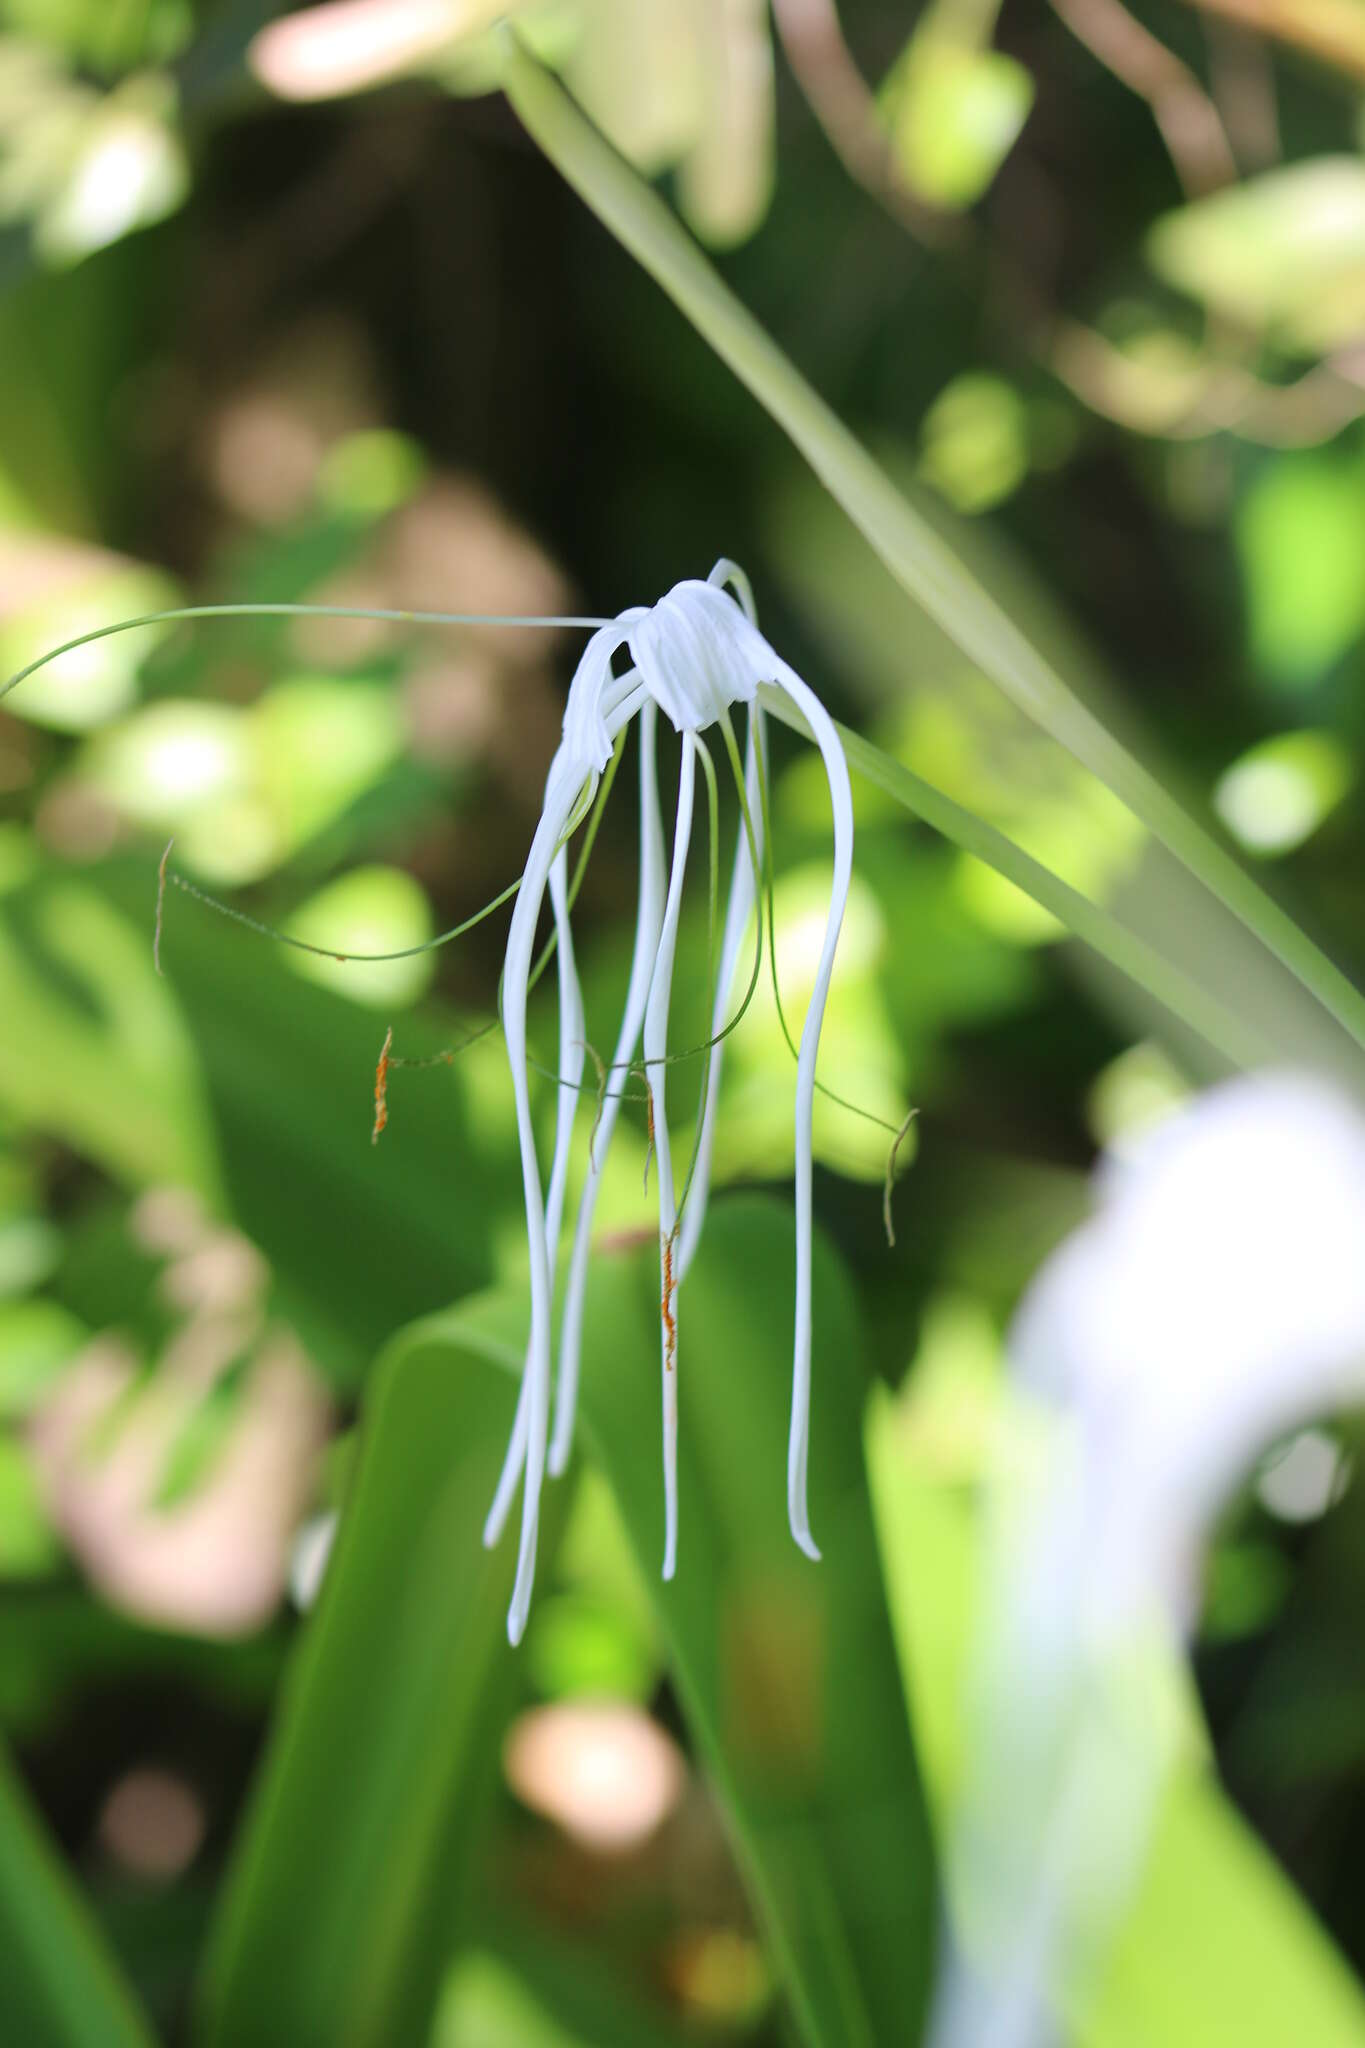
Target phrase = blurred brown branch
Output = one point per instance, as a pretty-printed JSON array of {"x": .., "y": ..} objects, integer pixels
[
  {"x": 1221, "y": 393},
  {"x": 1190, "y": 124},
  {"x": 843, "y": 104},
  {"x": 1333, "y": 30}
]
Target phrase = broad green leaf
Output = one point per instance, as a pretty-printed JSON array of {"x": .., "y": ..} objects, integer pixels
[
  {"x": 346, "y": 1891},
  {"x": 233, "y": 1076},
  {"x": 59, "y": 1988},
  {"x": 361, "y": 1237},
  {"x": 93, "y": 1047},
  {"x": 1218, "y": 1950},
  {"x": 785, "y": 1669}
]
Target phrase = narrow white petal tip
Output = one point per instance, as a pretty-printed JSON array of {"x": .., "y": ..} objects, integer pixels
[
  {"x": 516, "y": 1614},
  {"x": 491, "y": 1532},
  {"x": 557, "y": 1463},
  {"x": 805, "y": 1541},
  {"x": 670, "y": 1565}
]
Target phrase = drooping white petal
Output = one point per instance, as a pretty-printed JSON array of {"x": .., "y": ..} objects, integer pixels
[
  {"x": 841, "y": 804},
  {"x": 1216, "y": 1298},
  {"x": 587, "y": 733},
  {"x": 656, "y": 1046},
  {"x": 571, "y": 1057},
  {"x": 648, "y": 921},
  {"x": 562, "y": 791},
  {"x": 739, "y": 909}
]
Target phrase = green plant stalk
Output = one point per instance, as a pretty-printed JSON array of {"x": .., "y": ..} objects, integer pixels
[
  {"x": 1097, "y": 927},
  {"x": 920, "y": 560}
]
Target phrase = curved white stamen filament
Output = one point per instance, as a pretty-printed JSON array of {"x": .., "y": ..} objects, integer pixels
[
  {"x": 841, "y": 804},
  {"x": 743, "y": 892},
  {"x": 656, "y": 1046},
  {"x": 648, "y": 922},
  {"x": 572, "y": 1050},
  {"x": 562, "y": 792}
]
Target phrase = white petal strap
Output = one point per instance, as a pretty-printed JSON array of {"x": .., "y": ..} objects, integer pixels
[
  {"x": 656, "y": 1046},
  {"x": 739, "y": 909},
  {"x": 841, "y": 803},
  {"x": 571, "y": 1058},
  {"x": 648, "y": 921},
  {"x": 561, "y": 793}
]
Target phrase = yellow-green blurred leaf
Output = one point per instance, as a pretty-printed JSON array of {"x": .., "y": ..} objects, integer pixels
[
  {"x": 1301, "y": 538},
  {"x": 92, "y": 1044},
  {"x": 369, "y": 910},
  {"x": 1284, "y": 251},
  {"x": 954, "y": 114},
  {"x": 1280, "y": 791},
  {"x": 974, "y": 442}
]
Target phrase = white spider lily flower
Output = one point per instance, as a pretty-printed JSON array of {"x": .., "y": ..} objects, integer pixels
[
  {"x": 693, "y": 656},
  {"x": 1215, "y": 1301}
]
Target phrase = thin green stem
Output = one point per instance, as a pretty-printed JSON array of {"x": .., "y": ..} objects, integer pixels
[
  {"x": 179, "y": 613},
  {"x": 270, "y": 931},
  {"x": 1098, "y": 928},
  {"x": 922, "y": 562}
]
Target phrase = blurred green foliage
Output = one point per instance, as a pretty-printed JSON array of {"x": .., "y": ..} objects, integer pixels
[{"x": 289, "y": 310}]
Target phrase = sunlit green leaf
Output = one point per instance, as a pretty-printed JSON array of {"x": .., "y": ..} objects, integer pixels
[
  {"x": 129, "y": 169},
  {"x": 117, "y": 1076},
  {"x": 93, "y": 683},
  {"x": 368, "y": 910},
  {"x": 1301, "y": 536},
  {"x": 974, "y": 441},
  {"x": 1280, "y": 791},
  {"x": 955, "y": 114},
  {"x": 38, "y": 1339}
]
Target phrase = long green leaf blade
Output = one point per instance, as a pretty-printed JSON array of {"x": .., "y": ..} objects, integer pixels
[
  {"x": 344, "y": 1900},
  {"x": 59, "y": 1987},
  {"x": 785, "y": 1669},
  {"x": 921, "y": 561}
]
